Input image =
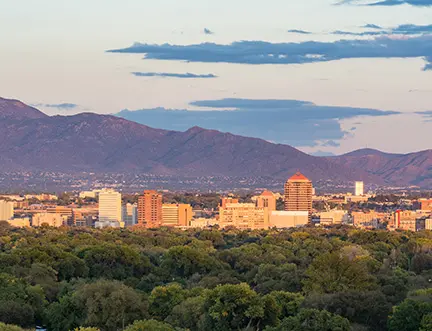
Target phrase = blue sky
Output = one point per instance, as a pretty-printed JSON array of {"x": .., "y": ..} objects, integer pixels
[{"x": 321, "y": 75}]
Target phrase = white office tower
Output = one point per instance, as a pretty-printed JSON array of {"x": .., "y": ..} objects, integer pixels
[
  {"x": 6, "y": 210},
  {"x": 359, "y": 188},
  {"x": 130, "y": 214},
  {"x": 110, "y": 209}
]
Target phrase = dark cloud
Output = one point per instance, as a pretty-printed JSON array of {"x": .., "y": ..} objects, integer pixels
[
  {"x": 299, "y": 31},
  {"x": 208, "y": 31},
  {"x": 388, "y": 3},
  {"x": 405, "y": 29},
  {"x": 372, "y": 26},
  {"x": 420, "y": 3},
  {"x": 261, "y": 52},
  {"x": 364, "y": 33},
  {"x": 173, "y": 75},
  {"x": 426, "y": 114},
  {"x": 294, "y": 122},
  {"x": 64, "y": 106}
]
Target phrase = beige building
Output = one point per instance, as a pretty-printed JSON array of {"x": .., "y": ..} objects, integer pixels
[
  {"x": 244, "y": 216},
  {"x": 65, "y": 212},
  {"x": 202, "y": 222},
  {"x": 428, "y": 224},
  {"x": 359, "y": 188},
  {"x": 54, "y": 220},
  {"x": 332, "y": 217},
  {"x": 6, "y": 210},
  {"x": 19, "y": 222},
  {"x": 176, "y": 214},
  {"x": 369, "y": 219},
  {"x": 110, "y": 207},
  {"x": 288, "y": 219},
  {"x": 298, "y": 194},
  {"x": 408, "y": 220},
  {"x": 266, "y": 200}
]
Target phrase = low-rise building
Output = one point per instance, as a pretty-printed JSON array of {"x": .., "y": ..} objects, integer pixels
[
  {"x": 19, "y": 222},
  {"x": 244, "y": 216},
  {"x": 54, "y": 220},
  {"x": 288, "y": 219},
  {"x": 332, "y": 217}
]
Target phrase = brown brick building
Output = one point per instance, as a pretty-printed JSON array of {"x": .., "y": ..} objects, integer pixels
[{"x": 150, "y": 209}]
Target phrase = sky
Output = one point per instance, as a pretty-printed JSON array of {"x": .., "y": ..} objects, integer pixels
[{"x": 325, "y": 76}]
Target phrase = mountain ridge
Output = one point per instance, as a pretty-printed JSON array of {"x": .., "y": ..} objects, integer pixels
[{"x": 31, "y": 140}]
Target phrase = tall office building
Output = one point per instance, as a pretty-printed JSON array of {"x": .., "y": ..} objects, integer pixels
[
  {"x": 150, "y": 209},
  {"x": 6, "y": 210},
  {"x": 110, "y": 208},
  {"x": 298, "y": 194},
  {"x": 359, "y": 188},
  {"x": 176, "y": 214},
  {"x": 266, "y": 200}
]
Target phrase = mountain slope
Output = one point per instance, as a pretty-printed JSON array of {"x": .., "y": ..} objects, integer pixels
[
  {"x": 398, "y": 169},
  {"x": 91, "y": 142}
]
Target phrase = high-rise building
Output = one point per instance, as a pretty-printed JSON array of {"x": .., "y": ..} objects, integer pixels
[
  {"x": 244, "y": 216},
  {"x": 6, "y": 210},
  {"x": 266, "y": 200},
  {"x": 298, "y": 194},
  {"x": 359, "y": 188},
  {"x": 130, "y": 214},
  {"x": 110, "y": 208},
  {"x": 176, "y": 214},
  {"x": 150, "y": 209}
]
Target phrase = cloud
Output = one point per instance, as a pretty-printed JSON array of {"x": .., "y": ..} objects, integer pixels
[
  {"x": 426, "y": 114},
  {"x": 173, "y": 75},
  {"x": 388, "y": 3},
  {"x": 372, "y": 26},
  {"x": 208, "y": 31},
  {"x": 405, "y": 29},
  {"x": 428, "y": 65},
  {"x": 299, "y": 31},
  {"x": 331, "y": 143},
  {"x": 64, "y": 106},
  {"x": 294, "y": 122},
  {"x": 261, "y": 52},
  {"x": 322, "y": 153}
]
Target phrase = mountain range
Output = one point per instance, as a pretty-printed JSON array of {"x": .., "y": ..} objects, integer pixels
[{"x": 31, "y": 140}]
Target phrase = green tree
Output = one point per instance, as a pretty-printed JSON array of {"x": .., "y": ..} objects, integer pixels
[
  {"x": 233, "y": 307},
  {"x": 313, "y": 320},
  {"x": 337, "y": 272},
  {"x": 188, "y": 314},
  {"x": 149, "y": 325},
  {"x": 8, "y": 327},
  {"x": 426, "y": 323},
  {"x": 163, "y": 299}
]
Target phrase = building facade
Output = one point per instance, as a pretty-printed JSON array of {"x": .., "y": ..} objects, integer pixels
[
  {"x": 130, "y": 214},
  {"x": 266, "y": 200},
  {"x": 288, "y": 219},
  {"x": 110, "y": 207},
  {"x": 55, "y": 220},
  {"x": 6, "y": 210},
  {"x": 298, "y": 194},
  {"x": 244, "y": 216},
  {"x": 359, "y": 189},
  {"x": 150, "y": 209}
]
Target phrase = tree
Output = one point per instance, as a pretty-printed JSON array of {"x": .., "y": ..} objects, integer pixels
[
  {"x": 149, "y": 325},
  {"x": 336, "y": 272},
  {"x": 163, "y": 299},
  {"x": 426, "y": 323},
  {"x": 313, "y": 320},
  {"x": 188, "y": 314},
  {"x": 233, "y": 307},
  {"x": 110, "y": 305},
  {"x": 412, "y": 312},
  {"x": 8, "y": 327}
]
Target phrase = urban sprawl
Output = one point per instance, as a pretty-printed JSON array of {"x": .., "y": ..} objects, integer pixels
[{"x": 297, "y": 206}]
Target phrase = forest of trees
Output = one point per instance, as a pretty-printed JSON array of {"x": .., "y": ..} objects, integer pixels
[{"x": 306, "y": 279}]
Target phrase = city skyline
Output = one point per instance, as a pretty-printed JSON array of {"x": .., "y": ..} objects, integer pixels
[{"x": 349, "y": 102}]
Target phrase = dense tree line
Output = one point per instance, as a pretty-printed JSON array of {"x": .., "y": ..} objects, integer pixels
[{"x": 166, "y": 279}]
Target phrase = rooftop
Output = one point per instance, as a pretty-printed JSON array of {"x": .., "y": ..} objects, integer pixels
[{"x": 299, "y": 177}]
